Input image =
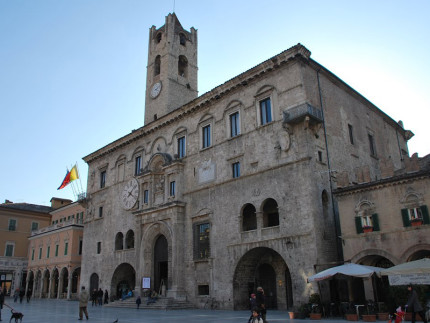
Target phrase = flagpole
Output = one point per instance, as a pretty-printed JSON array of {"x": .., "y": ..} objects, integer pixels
[{"x": 80, "y": 182}]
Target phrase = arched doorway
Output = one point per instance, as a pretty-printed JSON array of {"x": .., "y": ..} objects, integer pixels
[
  {"x": 76, "y": 277},
  {"x": 45, "y": 287},
  {"x": 123, "y": 280},
  {"x": 160, "y": 262},
  {"x": 55, "y": 280},
  {"x": 266, "y": 268},
  {"x": 64, "y": 282},
  {"x": 94, "y": 283}
]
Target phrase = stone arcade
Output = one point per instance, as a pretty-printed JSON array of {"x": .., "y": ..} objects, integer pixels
[{"x": 220, "y": 193}]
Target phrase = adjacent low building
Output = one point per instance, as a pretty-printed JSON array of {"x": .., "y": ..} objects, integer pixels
[
  {"x": 55, "y": 251},
  {"x": 385, "y": 221},
  {"x": 17, "y": 222}
]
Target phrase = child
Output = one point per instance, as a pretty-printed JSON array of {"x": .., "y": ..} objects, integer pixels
[{"x": 256, "y": 318}]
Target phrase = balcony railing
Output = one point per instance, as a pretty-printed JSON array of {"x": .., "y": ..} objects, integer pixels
[
  {"x": 57, "y": 226},
  {"x": 298, "y": 113}
]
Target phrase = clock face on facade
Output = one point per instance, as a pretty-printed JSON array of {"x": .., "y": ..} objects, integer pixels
[
  {"x": 129, "y": 194},
  {"x": 155, "y": 90}
]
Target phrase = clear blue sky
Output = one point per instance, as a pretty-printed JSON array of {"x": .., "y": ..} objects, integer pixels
[{"x": 73, "y": 72}]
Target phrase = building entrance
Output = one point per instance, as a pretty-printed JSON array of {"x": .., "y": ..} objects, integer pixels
[{"x": 160, "y": 263}]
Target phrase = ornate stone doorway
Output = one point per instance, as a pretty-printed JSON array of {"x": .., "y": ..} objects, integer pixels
[{"x": 161, "y": 257}]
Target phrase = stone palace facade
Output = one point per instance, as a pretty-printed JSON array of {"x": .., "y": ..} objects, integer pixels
[{"x": 220, "y": 193}]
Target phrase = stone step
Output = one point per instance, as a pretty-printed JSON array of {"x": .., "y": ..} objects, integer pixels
[{"x": 162, "y": 303}]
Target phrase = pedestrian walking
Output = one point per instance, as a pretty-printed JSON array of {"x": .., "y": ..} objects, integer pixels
[
  {"x": 94, "y": 297},
  {"x": 16, "y": 295},
  {"x": 261, "y": 303},
  {"x": 83, "y": 303},
  {"x": 100, "y": 296},
  {"x": 414, "y": 305},
  {"x": 138, "y": 301},
  {"x": 29, "y": 293},
  {"x": 21, "y": 294},
  {"x": 1, "y": 301},
  {"x": 106, "y": 296}
]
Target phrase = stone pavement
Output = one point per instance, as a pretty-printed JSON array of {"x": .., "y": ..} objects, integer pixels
[{"x": 63, "y": 311}]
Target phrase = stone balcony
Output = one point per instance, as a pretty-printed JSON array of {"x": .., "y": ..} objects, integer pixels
[{"x": 300, "y": 112}]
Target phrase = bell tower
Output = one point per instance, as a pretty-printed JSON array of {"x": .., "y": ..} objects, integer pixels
[{"x": 171, "y": 75}]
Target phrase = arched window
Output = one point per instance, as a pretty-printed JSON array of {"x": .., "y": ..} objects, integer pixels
[
  {"x": 270, "y": 213},
  {"x": 182, "y": 39},
  {"x": 119, "y": 241},
  {"x": 157, "y": 65},
  {"x": 158, "y": 37},
  {"x": 129, "y": 239},
  {"x": 182, "y": 66},
  {"x": 249, "y": 218}
]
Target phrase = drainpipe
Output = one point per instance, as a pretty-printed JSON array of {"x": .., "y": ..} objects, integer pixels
[{"x": 335, "y": 209}]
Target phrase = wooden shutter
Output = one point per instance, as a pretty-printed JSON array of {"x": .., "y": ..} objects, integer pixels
[
  {"x": 405, "y": 218},
  {"x": 358, "y": 225},
  {"x": 425, "y": 213},
  {"x": 375, "y": 222}
]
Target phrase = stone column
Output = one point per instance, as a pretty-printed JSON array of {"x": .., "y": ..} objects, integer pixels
[
  {"x": 69, "y": 287},
  {"x": 176, "y": 289},
  {"x": 51, "y": 279},
  {"x": 26, "y": 283},
  {"x": 137, "y": 250},
  {"x": 42, "y": 281}
]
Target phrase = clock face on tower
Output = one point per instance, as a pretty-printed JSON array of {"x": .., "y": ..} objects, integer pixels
[
  {"x": 129, "y": 194},
  {"x": 155, "y": 90}
]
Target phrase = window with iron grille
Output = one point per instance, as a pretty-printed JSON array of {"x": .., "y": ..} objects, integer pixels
[{"x": 201, "y": 241}]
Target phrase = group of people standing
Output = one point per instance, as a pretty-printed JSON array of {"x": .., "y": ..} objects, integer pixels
[
  {"x": 257, "y": 304},
  {"x": 21, "y": 293},
  {"x": 98, "y": 297}
]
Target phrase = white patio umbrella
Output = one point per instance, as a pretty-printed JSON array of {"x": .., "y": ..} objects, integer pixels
[
  {"x": 354, "y": 270},
  {"x": 413, "y": 272}
]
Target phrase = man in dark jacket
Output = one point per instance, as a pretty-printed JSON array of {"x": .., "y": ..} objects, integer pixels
[
  {"x": 260, "y": 299},
  {"x": 414, "y": 305}
]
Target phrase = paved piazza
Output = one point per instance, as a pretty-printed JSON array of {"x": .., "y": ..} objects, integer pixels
[{"x": 63, "y": 311}]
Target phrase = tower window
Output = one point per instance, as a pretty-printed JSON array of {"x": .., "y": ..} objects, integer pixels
[
  {"x": 372, "y": 145},
  {"x": 182, "y": 66},
  {"x": 182, "y": 39},
  {"x": 158, "y": 37},
  {"x": 351, "y": 134},
  {"x": 157, "y": 65}
]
